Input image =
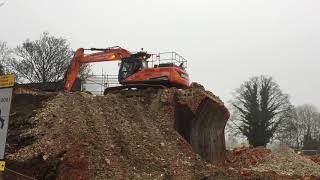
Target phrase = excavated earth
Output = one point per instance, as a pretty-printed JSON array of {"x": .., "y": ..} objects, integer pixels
[
  {"x": 145, "y": 134},
  {"x": 142, "y": 134}
]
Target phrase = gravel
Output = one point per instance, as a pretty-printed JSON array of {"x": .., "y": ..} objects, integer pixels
[{"x": 285, "y": 161}]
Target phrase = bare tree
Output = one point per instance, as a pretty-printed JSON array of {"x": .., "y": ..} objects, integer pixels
[
  {"x": 2, "y": 3},
  {"x": 302, "y": 130},
  {"x": 5, "y": 57},
  {"x": 259, "y": 107},
  {"x": 231, "y": 142},
  {"x": 43, "y": 60}
]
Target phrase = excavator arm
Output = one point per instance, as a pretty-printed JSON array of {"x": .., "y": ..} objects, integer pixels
[{"x": 109, "y": 54}]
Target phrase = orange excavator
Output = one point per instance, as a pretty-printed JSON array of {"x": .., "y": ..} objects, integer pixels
[{"x": 134, "y": 69}]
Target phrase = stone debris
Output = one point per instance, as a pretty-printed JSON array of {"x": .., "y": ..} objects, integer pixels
[
  {"x": 125, "y": 135},
  {"x": 285, "y": 161},
  {"x": 128, "y": 136}
]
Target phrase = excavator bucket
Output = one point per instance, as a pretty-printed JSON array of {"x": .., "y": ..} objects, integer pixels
[{"x": 201, "y": 117}]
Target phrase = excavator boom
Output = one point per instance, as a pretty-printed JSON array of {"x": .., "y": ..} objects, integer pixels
[{"x": 109, "y": 54}]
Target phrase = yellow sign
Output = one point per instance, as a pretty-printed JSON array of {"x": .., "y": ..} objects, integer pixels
[
  {"x": 7, "y": 80},
  {"x": 2, "y": 165}
]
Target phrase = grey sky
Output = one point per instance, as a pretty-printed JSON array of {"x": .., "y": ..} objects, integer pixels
[{"x": 225, "y": 41}]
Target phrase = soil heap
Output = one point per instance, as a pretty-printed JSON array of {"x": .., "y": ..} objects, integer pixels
[
  {"x": 137, "y": 135},
  {"x": 243, "y": 157},
  {"x": 127, "y": 135}
]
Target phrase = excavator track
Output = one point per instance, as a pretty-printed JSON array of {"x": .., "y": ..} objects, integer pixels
[{"x": 116, "y": 89}]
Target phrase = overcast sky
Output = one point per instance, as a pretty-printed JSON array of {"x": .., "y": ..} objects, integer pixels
[{"x": 225, "y": 41}]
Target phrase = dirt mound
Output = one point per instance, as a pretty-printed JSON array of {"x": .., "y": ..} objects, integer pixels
[
  {"x": 314, "y": 158},
  {"x": 246, "y": 156},
  {"x": 24, "y": 105},
  {"x": 130, "y": 135},
  {"x": 286, "y": 161},
  {"x": 138, "y": 135}
]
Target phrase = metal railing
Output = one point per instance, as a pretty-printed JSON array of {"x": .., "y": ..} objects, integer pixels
[{"x": 167, "y": 57}]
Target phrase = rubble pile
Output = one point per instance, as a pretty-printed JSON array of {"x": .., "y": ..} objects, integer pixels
[
  {"x": 143, "y": 134},
  {"x": 285, "y": 161},
  {"x": 246, "y": 156},
  {"x": 126, "y": 135}
]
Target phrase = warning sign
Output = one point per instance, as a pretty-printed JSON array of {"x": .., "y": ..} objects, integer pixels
[
  {"x": 7, "y": 81},
  {"x": 5, "y": 101}
]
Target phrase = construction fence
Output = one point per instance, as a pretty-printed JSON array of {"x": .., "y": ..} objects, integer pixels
[{"x": 96, "y": 84}]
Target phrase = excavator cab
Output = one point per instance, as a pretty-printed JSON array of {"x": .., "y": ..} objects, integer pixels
[
  {"x": 132, "y": 65},
  {"x": 128, "y": 67},
  {"x": 162, "y": 72}
]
